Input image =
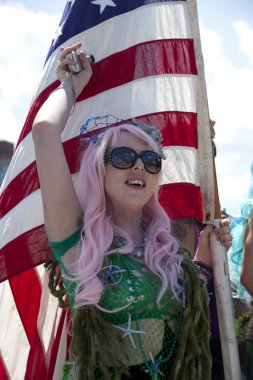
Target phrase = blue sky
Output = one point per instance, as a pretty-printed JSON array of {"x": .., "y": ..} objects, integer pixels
[{"x": 227, "y": 42}]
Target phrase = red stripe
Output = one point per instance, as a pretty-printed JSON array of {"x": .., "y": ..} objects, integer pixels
[
  {"x": 182, "y": 200},
  {"x": 3, "y": 372},
  {"x": 26, "y": 287},
  {"x": 174, "y": 56},
  {"x": 178, "y": 129},
  {"x": 55, "y": 347},
  {"x": 24, "y": 252},
  {"x": 34, "y": 110}
]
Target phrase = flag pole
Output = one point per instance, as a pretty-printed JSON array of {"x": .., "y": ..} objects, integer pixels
[
  {"x": 209, "y": 189},
  {"x": 224, "y": 302}
]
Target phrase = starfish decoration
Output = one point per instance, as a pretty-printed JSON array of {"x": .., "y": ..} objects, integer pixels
[
  {"x": 128, "y": 331},
  {"x": 112, "y": 271},
  {"x": 156, "y": 366},
  {"x": 72, "y": 365},
  {"x": 103, "y": 4}
]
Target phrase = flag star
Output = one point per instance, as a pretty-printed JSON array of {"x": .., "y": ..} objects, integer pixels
[
  {"x": 128, "y": 331},
  {"x": 68, "y": 7},
  {"x": 103, "y": 4}
]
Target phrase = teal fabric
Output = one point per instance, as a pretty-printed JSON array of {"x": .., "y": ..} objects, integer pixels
[{"x": 59, "y": 248}]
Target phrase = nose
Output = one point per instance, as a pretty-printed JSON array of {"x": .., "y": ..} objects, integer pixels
[{"x": 138, "y": 164}]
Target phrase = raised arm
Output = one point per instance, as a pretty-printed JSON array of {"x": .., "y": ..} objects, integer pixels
[{"x": 62, "y": 211}]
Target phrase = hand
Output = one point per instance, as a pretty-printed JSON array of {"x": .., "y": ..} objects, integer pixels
[
  {"x": 80, "y": 80},
  {"x": 223, "y": 235}
]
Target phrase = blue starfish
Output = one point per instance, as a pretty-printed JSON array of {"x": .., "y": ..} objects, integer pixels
[
  {"x": 112, "y": 272},
  {"x": 128, "y": 331},
  {"x": 156, "y": 366}
]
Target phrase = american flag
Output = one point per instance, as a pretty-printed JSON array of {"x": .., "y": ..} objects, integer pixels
[{"x": 149, "y": 66}]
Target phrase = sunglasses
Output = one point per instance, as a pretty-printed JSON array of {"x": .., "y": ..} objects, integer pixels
[{"x": 125, "y": 158}]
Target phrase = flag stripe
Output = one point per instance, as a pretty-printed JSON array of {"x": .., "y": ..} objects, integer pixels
[
  {"x": 12, "y": 331},
  {"x": 35, "y": 108},
  {"x": 3, "y": 372},
  {"x": 168, "y": 57},
  {"x": 12, "y": 263},
  {"x": 55, "y": 347},
  {"x": 176, "y": 168},
  {"x": 178, "y": 129},
  {"x": 21, "y": 290},
  {"x": 177, "y": 192}
]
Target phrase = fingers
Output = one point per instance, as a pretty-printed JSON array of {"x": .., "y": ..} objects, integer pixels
[
  {"x": 84, "y": 61},
  {"x": 65, "y": 60},
  {"x": 66, "y": 51},
  {"x": 223, "y": 233}
]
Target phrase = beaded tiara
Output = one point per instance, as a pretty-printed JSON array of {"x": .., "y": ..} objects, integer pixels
[{"x": 92, "y": 127}]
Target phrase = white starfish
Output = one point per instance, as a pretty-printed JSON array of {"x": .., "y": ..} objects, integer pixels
[
  {"x": 103, "y": 4},
  {"x": 128, "y": 331}
]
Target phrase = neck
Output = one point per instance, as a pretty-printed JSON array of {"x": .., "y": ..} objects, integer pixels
[{"x": 129, "y": 220}]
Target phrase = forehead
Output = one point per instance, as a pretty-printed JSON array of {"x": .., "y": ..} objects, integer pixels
[{"x": 132, "y": 141}]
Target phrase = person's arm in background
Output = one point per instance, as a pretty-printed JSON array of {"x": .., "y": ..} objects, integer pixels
[{"x": 247, "y": 262}]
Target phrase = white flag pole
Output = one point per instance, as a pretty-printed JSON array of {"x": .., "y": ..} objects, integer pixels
[
  {"x": 224, "y": 303},
  {"x": 210, "y": 196}
]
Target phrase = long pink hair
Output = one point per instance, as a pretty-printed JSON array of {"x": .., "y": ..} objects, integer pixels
[{"x": 160, "y": 251}]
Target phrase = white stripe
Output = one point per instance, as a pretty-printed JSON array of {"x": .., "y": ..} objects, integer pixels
[
  {"x": 26, "y": 215},
  {"x": 22, "y": 158},
  {"x": 14, "y": 345},
  {"x": 62, "y": 353},
  {"x": 169, "y": 21},
  {"x": 49, "y": 314},
  {"x": 143, "y": 96},
  {"x": 181, "y": 165}
]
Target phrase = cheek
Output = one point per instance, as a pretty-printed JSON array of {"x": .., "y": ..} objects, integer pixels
[
  {"x": 112, "y": 180},
  {"x": 153, "y": 183}
]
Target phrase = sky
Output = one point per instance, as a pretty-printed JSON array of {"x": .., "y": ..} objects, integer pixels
[{"x": 226, "y": 28}]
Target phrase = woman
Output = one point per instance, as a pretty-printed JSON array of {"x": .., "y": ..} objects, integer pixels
[{"x": 139, "y": 305}]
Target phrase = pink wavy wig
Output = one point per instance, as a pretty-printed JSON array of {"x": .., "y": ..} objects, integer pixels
[{"x": 160, "y": 251}]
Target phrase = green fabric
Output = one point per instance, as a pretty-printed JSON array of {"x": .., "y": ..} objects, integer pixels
[
  {"x": 59, "y": 248},
  {"x": 141, "y": 290}
]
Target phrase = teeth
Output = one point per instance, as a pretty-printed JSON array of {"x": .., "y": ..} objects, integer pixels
[{"x": 136, "y": 182}]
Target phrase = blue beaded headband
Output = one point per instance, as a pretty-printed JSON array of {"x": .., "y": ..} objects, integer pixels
[{"x": 107, "y": 121}]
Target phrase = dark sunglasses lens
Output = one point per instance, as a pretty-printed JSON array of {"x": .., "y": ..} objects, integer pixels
[
  {"x": 123, "y": 158},
  {"x": 152, "y": 162}
]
